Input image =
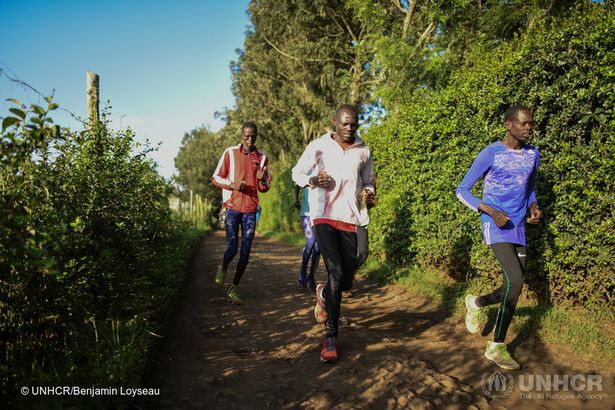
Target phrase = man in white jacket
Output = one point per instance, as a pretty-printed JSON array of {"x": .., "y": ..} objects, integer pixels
[{"x": 342, "y": 183}]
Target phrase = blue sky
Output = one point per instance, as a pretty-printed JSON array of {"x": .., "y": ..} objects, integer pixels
[{"x": 164, "y": 65}]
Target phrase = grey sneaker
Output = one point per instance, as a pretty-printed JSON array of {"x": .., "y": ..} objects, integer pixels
[
  {"x": 220, "y": 274},
  {"x": 472, "y": 314},
  {"x": 500, "y": 356}
]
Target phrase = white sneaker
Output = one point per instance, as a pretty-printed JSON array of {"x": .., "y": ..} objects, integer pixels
[{"x": 472, "y": 314}]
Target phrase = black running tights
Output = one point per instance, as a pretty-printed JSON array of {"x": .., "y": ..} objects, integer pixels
[{"x": 512, "y": 259}]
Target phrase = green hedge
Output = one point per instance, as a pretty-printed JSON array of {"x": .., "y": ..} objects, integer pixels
[
  {"x": 89, "y": 253},
  {"x": 563, "y": 70},
  {"x": 278, "y": 204}
]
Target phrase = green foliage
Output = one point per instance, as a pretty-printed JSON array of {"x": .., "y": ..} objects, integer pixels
[
  {"x": 197, "y": 159},
  {"x": 278, "y": 204},
  {"x": 88, "y": 249},
  {"x": 297, "y": 65},
  {"x": 562, "y": 68}
]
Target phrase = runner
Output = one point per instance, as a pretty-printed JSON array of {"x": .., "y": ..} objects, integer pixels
[
  {"x": 310, "y": 250},
  {"x": 241, "y": 173},
  {"x": 338, "y": 168},
  {"x": 509, "y": 169}
]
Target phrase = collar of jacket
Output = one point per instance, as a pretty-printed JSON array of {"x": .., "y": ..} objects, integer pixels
[{"x": 358, "y": 141}]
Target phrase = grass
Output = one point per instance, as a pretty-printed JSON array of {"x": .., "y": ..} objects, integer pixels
[{"x": 589, "y": 334}]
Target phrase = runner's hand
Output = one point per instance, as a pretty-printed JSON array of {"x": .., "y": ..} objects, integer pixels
[
  {"x": 321, "y": 180},
  {"x": 369, "y": 198},
  {"x": 535, "y": 214},
  {"x": 500, "y": 218},
  {"x": 260, "y": 174},
  {"x": 297, "y": 205},
  {"x": 237, "y": 186}
]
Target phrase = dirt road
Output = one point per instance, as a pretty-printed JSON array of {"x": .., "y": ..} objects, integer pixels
[{"x": 398, "y": 350}]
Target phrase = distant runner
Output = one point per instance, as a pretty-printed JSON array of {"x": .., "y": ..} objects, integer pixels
[
  {"x": 241, "y": 173},
  {"x": 310, "y": 250},
  {"x": 338, "y": 169},
  {"x": 509, "y": 169}
]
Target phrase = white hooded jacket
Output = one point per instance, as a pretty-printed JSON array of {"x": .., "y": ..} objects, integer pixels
[{"x": 351, "y": 170}]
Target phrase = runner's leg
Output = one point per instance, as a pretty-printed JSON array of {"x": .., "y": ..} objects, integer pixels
[
  {"x": 248, "y": 225},
  {"x": 307, "y": 249},
  {"x": 512, "y": 260},
  {"x": 338, "y": 250},
  {"x": 231, "y": 224}
]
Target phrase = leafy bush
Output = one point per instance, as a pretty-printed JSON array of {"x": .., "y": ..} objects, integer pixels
[
  {"x": 88, "y": 252},
  {"x": 278, "y": 204}
]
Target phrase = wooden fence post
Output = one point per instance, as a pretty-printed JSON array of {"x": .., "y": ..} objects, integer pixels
[
  {"x": 191, "y": 203},
  {"x": 93, "y": 95}
]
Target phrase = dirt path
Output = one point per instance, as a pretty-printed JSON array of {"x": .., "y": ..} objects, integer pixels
[{"x": 398, "y": 350}]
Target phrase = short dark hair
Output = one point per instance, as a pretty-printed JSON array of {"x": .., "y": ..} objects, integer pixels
[
  {"x": 346, "y": 107},
  {"x": 249, "y": 124},
  {"x": 513, "y": 110}
]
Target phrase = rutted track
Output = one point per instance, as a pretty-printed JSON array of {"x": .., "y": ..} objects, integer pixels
[{"x": 398, "y": 350}]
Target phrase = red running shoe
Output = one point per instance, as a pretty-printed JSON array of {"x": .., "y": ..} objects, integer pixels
[{"x": 328, "y": 353}]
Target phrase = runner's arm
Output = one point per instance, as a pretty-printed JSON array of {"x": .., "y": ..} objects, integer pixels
[
  {"x": 479, "y": 167},
  {"x": 368, "y": 181},
  {"x": 302, "y": 170},
  {"x": 532, "y": 182},
  {"x": 221, "y": 177},
  {"x": 296, "y": 190},
  {"x": 532, "y": 203},
  {"x": 265, "y": 182}
]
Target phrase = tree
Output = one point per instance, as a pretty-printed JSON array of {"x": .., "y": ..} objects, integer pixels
[
  {"x": 299, "y": 62},
  {"x": 197, "y": 160}
]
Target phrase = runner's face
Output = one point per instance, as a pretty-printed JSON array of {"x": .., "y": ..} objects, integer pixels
[
  {"x": 346, "y": 125},
  {"x": 248, "y": 138},
  {"x": 522, "y": 127}
]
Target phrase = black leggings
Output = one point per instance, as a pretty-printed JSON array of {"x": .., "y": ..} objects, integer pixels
[
  {"x": 512, "y": 259},
  {"x": 339, "y": 251}
]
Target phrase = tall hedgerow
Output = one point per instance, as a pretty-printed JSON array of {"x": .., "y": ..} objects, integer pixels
[
  {"x": 89, "y": 252},
  {"x": 563, "y": 70}
]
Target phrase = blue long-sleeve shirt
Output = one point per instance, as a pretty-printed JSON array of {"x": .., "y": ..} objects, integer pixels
[{"x": 509, "y": 178}]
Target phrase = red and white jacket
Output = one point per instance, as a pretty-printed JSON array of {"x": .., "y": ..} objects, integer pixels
[{"x": 236, "y": 165}]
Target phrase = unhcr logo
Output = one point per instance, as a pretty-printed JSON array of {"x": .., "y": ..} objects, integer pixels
[{"x": 497, "y": 384}]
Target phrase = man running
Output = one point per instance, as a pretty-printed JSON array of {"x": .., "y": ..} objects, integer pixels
[
  {"x": 509, "y": 170},
  {"x": 338, "y": 169},
  {"x": 241, "y": 173},
  {"x": 310, "y": 250}
]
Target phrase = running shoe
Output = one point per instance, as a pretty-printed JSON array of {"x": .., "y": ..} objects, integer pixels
[
  {"x": 472, "y": 314},
  {"x": 320, "y": 313},
  {"x": 328, "y": 353},
  {"x": 500, "y": 356},
  {"x": 220, "y": 274},
  {"x": 233, "y": 296},
  {"x": 301, "y": 283}
]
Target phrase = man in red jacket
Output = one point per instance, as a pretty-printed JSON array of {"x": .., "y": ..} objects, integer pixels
[{"x": 241, "y": 173}]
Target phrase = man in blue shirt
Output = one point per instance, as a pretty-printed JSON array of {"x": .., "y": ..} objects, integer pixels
[{"x": 509, "y": 169}]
